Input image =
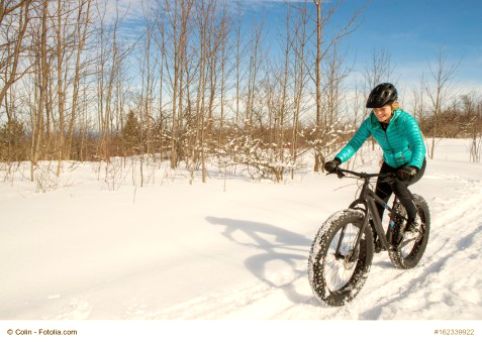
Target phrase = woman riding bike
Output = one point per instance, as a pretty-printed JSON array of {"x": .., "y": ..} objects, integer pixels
[{"x": 398, "y": 134}]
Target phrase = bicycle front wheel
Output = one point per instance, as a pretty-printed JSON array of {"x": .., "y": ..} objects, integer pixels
[{"x": 337, "y": 266}]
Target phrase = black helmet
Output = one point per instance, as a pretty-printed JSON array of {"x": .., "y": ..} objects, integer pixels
[{"x": 384, "y": 93}]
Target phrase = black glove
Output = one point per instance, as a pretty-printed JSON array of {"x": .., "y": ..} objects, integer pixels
[
  {"x": 407, "y": 172},
  {"x": 331, "y": 166}
]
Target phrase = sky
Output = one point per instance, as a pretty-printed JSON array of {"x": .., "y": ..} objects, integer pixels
[
  {"x": 413, "y": 32},
  {"x": 416, "y": 31}
]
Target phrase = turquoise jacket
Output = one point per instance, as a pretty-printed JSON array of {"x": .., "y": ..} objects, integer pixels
[{"x": 402, "y": 143}]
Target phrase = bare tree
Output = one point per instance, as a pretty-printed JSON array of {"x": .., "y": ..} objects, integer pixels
[
  {"x": 441, "y": 74},
  {"x": 358, "y": 105},
  {"x": 179, "y": 13},
  {"x": 254, "y": 66},
  {"x": 14, "y": 20},
  {"x": 472, "y": 109},
  {"x": 147, "y": 91},
  {"x": 160, "y": 39},
  {"x": 300, "y": 46},
  {"x": 319, "y": 42},
  {"x": 8, "y": 7},
  {"x": 282, "y": 107},
  {"x": 82, "y": 26},
  {"x": 42, "y": 75},
  {"x": 334, "y": 78},
  {"x": 60, "y": 42},
  {"x": 205, "y": 11},
  {"x": 379, "y": 70},
  {"x": 419, "y": 100},
  {"x": 109, "y": 61},
  {"x": 224, "y": 36},
  {"x": 322, "y": 48},
  {"x": 238, "y": 73}
]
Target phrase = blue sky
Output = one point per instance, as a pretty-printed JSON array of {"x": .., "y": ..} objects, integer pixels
[{"x": 412, "y": 31}]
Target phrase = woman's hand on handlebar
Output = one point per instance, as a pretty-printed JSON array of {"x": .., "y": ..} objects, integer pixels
[{"x": 332, "y": 166}]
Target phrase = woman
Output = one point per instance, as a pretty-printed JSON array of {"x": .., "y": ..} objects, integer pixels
[{"x": 401, "y": 140}]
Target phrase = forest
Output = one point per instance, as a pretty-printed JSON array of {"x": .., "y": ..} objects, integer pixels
[{"x": 190, "y": 82}]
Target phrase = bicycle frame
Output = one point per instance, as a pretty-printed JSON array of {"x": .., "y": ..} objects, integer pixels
[{"x": 369, "y": 199}]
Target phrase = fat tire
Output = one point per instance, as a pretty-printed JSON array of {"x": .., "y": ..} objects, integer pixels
[
  {"x": 412, "y": 259},
  {"x": 319, "y": 251}
]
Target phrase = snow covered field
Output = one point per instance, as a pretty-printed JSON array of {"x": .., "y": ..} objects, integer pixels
[{"x": 229, "y": 249}]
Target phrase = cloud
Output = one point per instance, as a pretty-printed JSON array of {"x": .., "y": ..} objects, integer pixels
[{"x": 125, "y": 9}]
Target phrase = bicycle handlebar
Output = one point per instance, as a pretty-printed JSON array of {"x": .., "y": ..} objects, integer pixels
[{"x": 341, "y": 173}]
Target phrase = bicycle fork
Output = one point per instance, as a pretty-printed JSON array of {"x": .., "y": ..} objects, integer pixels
[
  {"x": 353, "y": 252},
  {"x": 377, "y": 226}
]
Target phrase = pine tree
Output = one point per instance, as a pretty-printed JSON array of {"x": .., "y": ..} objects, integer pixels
[
  {"x": 131, "y": 134},
  {"x": 12, "y": 141}
]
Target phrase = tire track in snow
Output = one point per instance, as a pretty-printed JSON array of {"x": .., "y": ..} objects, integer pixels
[
  {"x": 244, "y": 302},
  {"x": 440, "y": 250},
  {"x": 394, "y": 287},
  {"x": 386, "y": 293}
]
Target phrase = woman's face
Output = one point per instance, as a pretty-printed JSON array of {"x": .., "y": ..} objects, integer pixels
[{"x": 383, "y": 113}]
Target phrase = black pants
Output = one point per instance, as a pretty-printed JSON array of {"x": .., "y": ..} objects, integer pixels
[{"x": 400, "y": 188}]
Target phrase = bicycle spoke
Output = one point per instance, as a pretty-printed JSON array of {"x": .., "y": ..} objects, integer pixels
[{"x": 338, "y": 268}]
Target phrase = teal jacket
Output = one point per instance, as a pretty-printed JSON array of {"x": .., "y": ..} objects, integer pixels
[{"x": 402, "y": 143}]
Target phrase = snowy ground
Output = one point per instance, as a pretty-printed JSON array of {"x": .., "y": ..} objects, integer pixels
[{"x": 231, "y": 248}]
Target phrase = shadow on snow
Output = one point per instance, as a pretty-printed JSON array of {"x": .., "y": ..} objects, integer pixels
[{"x": 286, "y": 246}]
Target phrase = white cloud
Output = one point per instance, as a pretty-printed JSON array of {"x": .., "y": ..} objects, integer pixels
[{"x": 126, "y": 9}]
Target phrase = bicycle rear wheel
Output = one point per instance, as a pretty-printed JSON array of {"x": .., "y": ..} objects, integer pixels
[
  {"x": 337, "y": 267},
  {"x": 409, "y": 252}
]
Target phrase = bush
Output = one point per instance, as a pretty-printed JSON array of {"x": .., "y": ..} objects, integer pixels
[{"x": 13, "y": 141}]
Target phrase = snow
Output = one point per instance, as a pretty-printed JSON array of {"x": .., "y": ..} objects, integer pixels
[{"x": 82, "y": 247}]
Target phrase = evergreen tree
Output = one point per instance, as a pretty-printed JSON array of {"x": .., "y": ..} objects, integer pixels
[
  {"x": 131, "y": 133},
  {"x": 12, "y": 141}
]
